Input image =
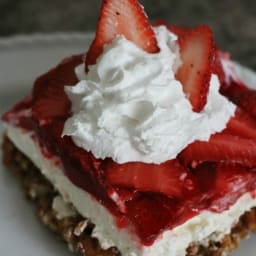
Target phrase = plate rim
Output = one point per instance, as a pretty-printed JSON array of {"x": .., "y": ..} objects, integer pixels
[{"x": 38, "y": 38}]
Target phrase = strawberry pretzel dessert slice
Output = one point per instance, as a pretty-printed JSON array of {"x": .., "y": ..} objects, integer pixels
[{"x": 144, "y": 145}]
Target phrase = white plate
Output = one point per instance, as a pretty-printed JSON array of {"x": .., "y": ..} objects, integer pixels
[{"x": 21, "y": 60}]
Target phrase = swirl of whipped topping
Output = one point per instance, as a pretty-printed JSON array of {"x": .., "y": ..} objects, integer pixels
[{"x": 130, "y": 107}]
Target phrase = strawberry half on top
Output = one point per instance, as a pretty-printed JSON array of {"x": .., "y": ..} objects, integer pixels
[
  {"x": 197, "y": 52},
  {"x": 126, "y": 18}
]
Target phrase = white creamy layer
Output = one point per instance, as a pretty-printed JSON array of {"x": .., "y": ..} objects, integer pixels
[
  {"x": 62, "y": 208},
  {"x": 130, "y": 107},
  {"x": 170, "y": 243}
]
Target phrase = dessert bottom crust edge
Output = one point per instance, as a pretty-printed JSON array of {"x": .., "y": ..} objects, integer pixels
[{"x": 76, "y": 231}]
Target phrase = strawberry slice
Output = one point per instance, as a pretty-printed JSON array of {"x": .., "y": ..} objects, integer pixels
[
  {"x": 242, "y": 125},
  {"x": 122, "y": 17},
  {"x": 222, "y": 148},
  {"x": 242, "y": 96},
  {"x": 169, "y": 178},
  {"x": 53, "y": 103},
  {"x": 197, "y": 54},
  {"x": 49, "y": 99},
  {"x": 230, "y": 177},
  {"x": 231, "y": 182},
  {"x": 150, "y": 215},
  {"x": 217, "y": 67},
  {"x": 247, "y": 101}
]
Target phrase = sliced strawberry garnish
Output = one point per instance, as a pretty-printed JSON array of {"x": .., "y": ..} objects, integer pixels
[
  {"x": 169, "y": 178},
  {"x": 49, "y": 98},
  {"x": 197, "y": 54},
  {"x": 242, "y": 125},
  {"x": 122, "y": 17},
  {"x": 217, "y": 67},
  {"x": 222, "y": 148}
]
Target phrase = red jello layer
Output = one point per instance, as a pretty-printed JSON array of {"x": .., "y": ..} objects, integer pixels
[{"x": 215, "y": 187}]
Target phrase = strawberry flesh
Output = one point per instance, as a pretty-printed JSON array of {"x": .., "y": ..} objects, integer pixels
[
  {"x": 221, "y": 184},
  {"x": 242, "y": 125},
  {"x": 231, "y": 181},
  {"x": 150, "y": 214},
  {"x": 49, "y": 98},
  {"x": 197, "y": 54},
  {"x": 243, "y": 97},
  {"x": 169, "y": 178},
  {"x": 234, "y": 89},
  {"x": 217, "y": 67},
  {"x": 247, "y": 101},
  {"x": 126, "y": 18},
  {"x": 222, "y": 148}
]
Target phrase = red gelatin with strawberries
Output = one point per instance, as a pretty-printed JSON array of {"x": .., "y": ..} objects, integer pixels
[{"x": 152, "y": 198}]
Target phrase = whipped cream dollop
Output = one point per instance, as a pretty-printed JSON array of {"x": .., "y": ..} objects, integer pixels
[{"x": 130, "y": 107}]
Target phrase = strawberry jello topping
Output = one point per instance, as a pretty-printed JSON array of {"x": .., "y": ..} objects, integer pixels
[{"x": 208, "y": 173}]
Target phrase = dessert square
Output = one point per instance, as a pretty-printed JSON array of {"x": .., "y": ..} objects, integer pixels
[{"x": 144, "y": 145}]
